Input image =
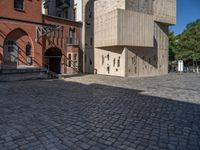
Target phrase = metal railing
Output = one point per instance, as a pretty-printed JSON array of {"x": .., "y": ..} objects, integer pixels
[
  {"x": 73, "y": 41},
  {"x": 49, "y": 72},
  {"x": 62, "y": 3}
]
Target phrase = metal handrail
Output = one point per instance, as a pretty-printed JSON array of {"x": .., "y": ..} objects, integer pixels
[
  {"x": 51, "y": 73},
  {"x": 73, "y": 41}
]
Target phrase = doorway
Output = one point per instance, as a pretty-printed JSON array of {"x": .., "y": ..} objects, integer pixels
[{"x": 53, "y": 60}]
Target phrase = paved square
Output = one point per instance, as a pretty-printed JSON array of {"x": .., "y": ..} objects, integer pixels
[{"x": 100, "y": 112}]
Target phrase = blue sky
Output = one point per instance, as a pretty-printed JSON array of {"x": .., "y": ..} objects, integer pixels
[{"x": 187, "y": 11}]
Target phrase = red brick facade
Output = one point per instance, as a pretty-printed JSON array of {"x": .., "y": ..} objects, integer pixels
[{"x": 53, "y": 50}]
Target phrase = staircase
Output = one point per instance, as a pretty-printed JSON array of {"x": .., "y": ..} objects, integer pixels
[{"x": 25, "y": 74}]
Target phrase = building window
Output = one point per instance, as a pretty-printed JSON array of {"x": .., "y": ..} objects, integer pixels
[
  {"x": 90, "y": 61},
  {"x": 11, "y": 46},
  {"x": 74, "y": 14},
  {"x": 108, "y": 56},
  {"x": 149, "y": 60},
  {"x": 102, "y": 59},
  {"x": 108, "y": 69},
  {"x": 58, "y": 13},
  {"x": 118, "y": 62},
  {"x": 19, "y": 4},
  {"x": 75, "y": 59},
  {"x": 12, "y": 51},
  {"x": 69, "y": 61},
  {"x": 134, "y": 60},
  {"x": 72, "y": 36},
  {"x": 114, "y": 62},
  {"x": 28, "y": 50},
  {"x": 28, "y": 54},
  {"x": 66, "y": 14},
  {"x": 144, "y": 59}
]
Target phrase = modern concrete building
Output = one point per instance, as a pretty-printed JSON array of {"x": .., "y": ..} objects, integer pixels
[{"x": 127, "y": 37}]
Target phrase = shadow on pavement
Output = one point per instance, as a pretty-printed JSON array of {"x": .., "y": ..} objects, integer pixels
[{"x": 47, "y": 114}]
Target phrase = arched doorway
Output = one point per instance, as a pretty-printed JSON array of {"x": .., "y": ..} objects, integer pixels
[{"x": 53, "y": 59}]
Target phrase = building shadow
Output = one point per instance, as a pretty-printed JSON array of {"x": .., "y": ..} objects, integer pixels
[{"x": 111, "y": 117}]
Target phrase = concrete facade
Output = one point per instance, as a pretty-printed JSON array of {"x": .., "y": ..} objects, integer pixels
[
  {"x": 78, "y": 9},
  {"x": 129, "y": 37}
]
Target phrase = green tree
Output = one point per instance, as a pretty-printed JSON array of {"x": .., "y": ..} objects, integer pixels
[
  {"x": 188, "y": 46},
  {"x": 172, "y": 46}
]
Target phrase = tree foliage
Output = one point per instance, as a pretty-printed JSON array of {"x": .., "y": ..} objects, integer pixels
[
  {"x": 172, "y": 46},
  {"x": 186, "y": 46}
]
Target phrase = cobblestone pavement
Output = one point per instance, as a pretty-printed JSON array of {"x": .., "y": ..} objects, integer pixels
[{"x": 99, "y": 112}]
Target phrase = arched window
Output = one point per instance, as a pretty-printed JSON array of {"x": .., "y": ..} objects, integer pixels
[
  {"x": 29, "y": 54},
  {"x": 28, "y": 50}
]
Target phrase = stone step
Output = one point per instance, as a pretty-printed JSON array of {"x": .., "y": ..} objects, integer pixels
[
  {"x": 23, "y": 77},
  {"x": 22, "y": 74},
  {"x": 22, "y": 71}
]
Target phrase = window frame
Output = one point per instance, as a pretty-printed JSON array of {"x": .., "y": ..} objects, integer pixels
[
  {"x": 72, "y": 36},
  {"x": 17, "y": 8}
]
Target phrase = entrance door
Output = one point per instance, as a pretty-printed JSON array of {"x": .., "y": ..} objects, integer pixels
[
  {"x": 53, "y": 60},
  {"x": 54, "y": 64}
]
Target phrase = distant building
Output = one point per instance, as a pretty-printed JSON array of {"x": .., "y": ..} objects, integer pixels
[
  {"x": 60, "y": 8},
  {"x": 78, "y": 8},
  {"x": 40, "y": 34}
]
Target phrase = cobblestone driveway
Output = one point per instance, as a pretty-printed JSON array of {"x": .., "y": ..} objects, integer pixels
[{"x": 98, "y": 112}]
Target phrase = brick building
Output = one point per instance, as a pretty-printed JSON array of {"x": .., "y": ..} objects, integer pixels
[{"x": 30, "y": 38}]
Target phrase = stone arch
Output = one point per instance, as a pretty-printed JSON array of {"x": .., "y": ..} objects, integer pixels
[
  {"x": 19, "y": 40},
  {"x": 53, "y": 58}
]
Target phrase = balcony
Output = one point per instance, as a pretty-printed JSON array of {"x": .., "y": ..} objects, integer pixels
[
  {"x": 73, "y": 42},
  {"x": 63, "y": 3}
]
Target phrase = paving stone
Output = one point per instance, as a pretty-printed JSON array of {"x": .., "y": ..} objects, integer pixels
[
  {"x": 85, "y": 146},
  {"x": 99, "y": 113}
]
